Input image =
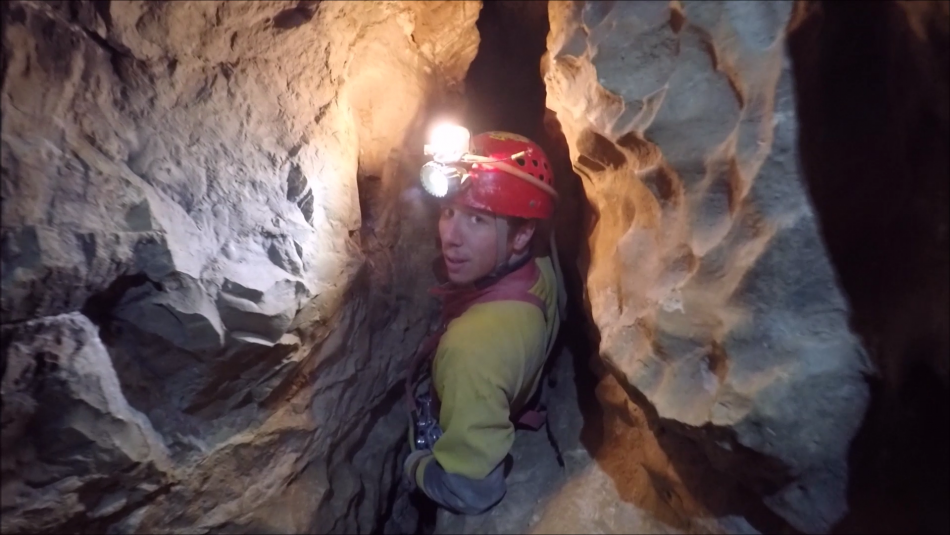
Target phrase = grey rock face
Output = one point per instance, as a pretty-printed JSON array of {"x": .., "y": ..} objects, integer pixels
[
  {"x": 73, "y": 447},
  {"x": 709, "y": 282},
  {"x": 214, "y": 270},
  {"x": 185, "y": 175}
]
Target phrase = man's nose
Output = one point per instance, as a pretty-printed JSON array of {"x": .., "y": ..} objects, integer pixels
[{"x": 450, "y": 231}]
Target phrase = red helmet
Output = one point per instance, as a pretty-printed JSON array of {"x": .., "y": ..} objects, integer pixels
[{"x": 502, "y": 193}]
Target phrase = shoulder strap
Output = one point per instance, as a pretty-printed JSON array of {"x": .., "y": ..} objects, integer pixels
[{"x": 515, "y": 286}]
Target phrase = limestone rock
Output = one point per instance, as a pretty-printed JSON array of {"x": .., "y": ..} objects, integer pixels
[
  {"x": 214, "y": 266},
  {"x": 74, "y": 451},
  {"x": 186, "y": 174},
  {"x": 708, "y": 280},
  {"x": 183, "y": 314}
]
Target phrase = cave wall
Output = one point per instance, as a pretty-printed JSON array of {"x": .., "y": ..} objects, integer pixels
[
  {"x": 203, "y": 208},
  {"x": 873, "y": 92},
  {"x": 214, "y": 264},
  {"x": 719, "y": 313},
  {"x": 872, "y": 88}
]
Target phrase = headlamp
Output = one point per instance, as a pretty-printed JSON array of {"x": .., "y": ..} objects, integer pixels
[
  {"x": 448, "y": 143},
  {"x": 442, "y": 180}
]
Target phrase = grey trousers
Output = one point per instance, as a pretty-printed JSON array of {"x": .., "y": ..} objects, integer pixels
[{"x": 461, "y": 494}]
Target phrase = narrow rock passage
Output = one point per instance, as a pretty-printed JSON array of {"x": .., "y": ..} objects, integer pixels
[
  {"x": 613, "y": 475},
  {"x": 504, "y": 91},
  {"x": 215, "y": 256}
]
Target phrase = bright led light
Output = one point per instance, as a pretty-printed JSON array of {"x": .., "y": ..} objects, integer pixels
[
  {"x": 441, "y": 180},
  {"x": 434, "y": 180},
  {"x": 448, "y": 143}
]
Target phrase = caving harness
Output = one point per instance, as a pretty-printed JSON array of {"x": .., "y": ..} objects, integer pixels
[{"x": 421, "y": 396}]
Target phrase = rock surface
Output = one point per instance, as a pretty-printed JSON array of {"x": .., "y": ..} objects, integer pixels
[
  {"x": 708, "y": 280},
  {"x": 214, "y": 263},
  {"x": 890, "y": 244},
  {"x": 219, "y": 187},
  {"x": 67, "y": 427}
]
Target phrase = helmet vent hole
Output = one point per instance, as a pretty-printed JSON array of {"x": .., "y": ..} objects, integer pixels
[
  {"x": 520, "y": 161},
  {"x": 534, "y": 163},
  {"x": 545, "y": 165},
  {"x": 541, "y": 177}
]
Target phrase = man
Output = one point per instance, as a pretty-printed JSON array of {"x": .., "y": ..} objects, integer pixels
[{"x": 500, "y": 317}]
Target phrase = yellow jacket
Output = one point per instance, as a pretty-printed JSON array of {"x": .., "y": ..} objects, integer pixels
[{"x": 487, "y": 366}]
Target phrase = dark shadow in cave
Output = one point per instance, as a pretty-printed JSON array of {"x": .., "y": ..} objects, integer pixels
[{"x": 872, "y": 96}]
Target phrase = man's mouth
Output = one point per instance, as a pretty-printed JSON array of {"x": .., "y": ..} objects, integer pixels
[{"x": 453, "y": 263}]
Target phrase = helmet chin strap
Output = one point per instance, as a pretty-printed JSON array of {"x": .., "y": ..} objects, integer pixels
[
  {"x": 501, "y": 239},
  {"x": 503, "y": 262}
]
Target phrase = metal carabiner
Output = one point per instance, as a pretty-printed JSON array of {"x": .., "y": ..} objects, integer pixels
[{"x": 427, "y": 430}]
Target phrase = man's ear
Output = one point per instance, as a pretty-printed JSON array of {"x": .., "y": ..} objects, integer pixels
[{"x": 522, "y": 237}]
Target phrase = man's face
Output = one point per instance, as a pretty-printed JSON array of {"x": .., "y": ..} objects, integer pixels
[{"x": 469, "y": 243}]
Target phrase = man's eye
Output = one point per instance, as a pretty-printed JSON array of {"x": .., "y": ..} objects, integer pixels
[{"x": 477, "y": 219}]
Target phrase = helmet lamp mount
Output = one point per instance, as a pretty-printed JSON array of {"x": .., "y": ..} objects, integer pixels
[{"x": 449, "y": 171}]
